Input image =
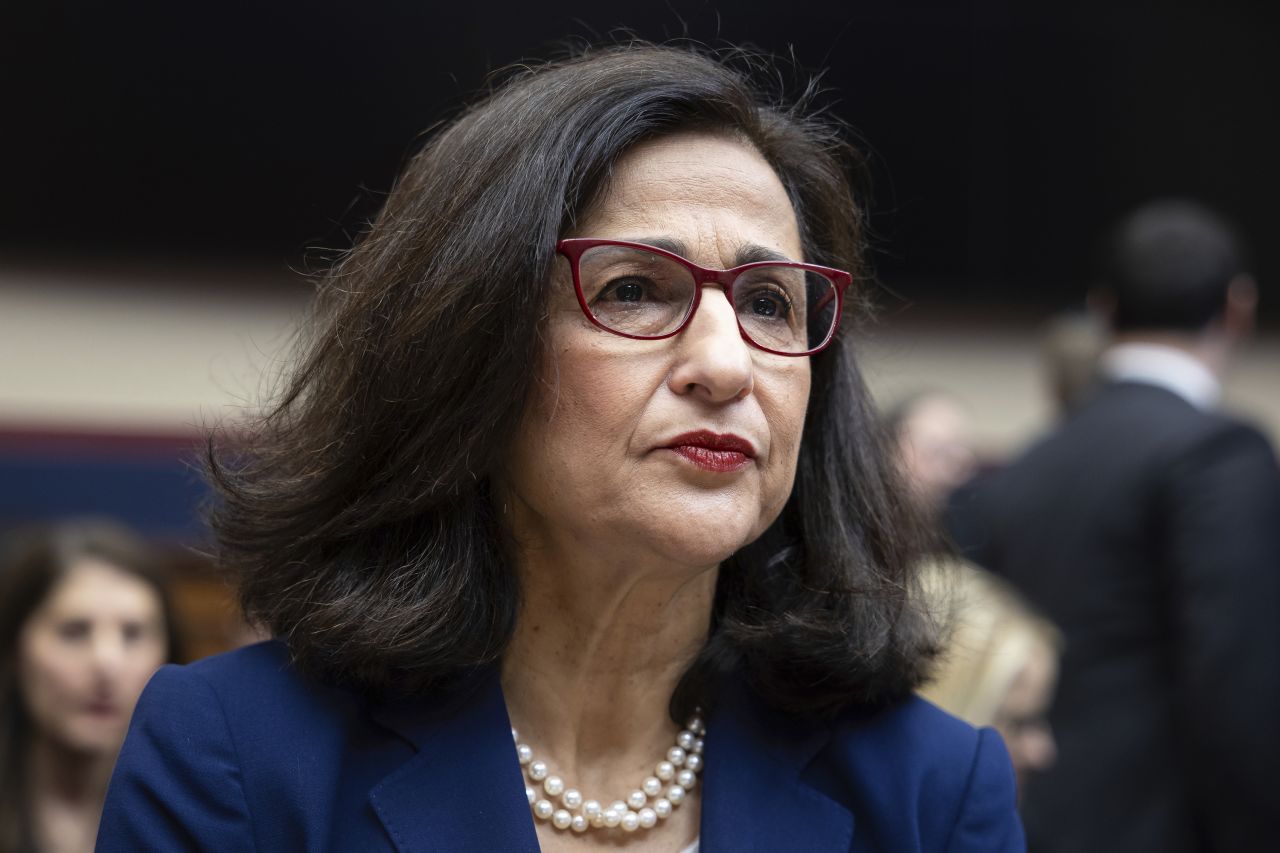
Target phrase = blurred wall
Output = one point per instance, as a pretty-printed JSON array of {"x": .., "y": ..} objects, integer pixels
[{"x": 138, "y": 350}]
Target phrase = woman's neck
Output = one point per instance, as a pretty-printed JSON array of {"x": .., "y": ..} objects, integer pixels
[
  {"x": 67, "y": 788},
  {"x": 598, "y": 650}
]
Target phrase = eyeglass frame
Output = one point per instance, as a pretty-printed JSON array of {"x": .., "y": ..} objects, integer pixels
[{"x": 573, "y": 249}]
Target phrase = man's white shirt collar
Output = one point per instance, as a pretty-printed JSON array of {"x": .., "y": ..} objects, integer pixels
[{"x": 1165, "y": 367}]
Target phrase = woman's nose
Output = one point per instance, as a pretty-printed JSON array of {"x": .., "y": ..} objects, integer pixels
[
  {"x": 108, "y": 652},
  {"x": 714, "y": 361}
]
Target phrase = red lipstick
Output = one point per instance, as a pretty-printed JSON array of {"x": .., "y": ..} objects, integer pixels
[{"x": 713, "y": 451}]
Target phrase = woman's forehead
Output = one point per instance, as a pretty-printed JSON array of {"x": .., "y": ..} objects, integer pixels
[
  {"x": 93, "y": 585},
  {"x": 693, "y": 187}
]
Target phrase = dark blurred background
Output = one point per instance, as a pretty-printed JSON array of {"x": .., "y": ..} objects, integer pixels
[{"x": 1005, "y": 135}]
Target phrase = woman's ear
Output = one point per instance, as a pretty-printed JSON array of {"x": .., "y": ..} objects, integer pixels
[{"x": 1241, "y": 308}]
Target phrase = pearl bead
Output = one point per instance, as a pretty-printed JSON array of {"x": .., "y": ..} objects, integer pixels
[
  {"x": 619, "y": 806},
  {"x": 578, "y": 823},
  {"x": 591, "y": 808},
  {"x": 697, "y": 746},
  {"x": 693, "y": 762},
  {"x": 636, "y": 799},
  {"x": 685, "y": 739},
  {"x": 543, "y": 809},
  {"x": 524, "y": 753},
  {"x": 675, "y": 755},
  {"x": 561, "y": 819},
  {"x": 685, "y": 779},
  {"x": 666, "y": 771},
  {"x": 554, "y": 786},
  {"x": 648, "y": 817},
  {"x": 571, "y": 799},
  {"x": 531, "y": 794},
  {"x": 538, "y": 771},
  {"x": 675, "y": 794},
  {"x": 612, "y": 817},
  {"x": 597, "y": 820},
  {"x": 696, "y": 726},
  {"x": 652, "y": 786},
  {"x": 662, "y": 807},
  {"x": 630, "y": 822}
]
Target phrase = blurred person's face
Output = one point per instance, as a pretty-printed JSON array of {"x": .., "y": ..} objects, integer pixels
[
  {"x": 86, "y": 653},
  {"x": 936, "y": 450},
  {"x": 610, "y": 452},
  {"x": 1021, "y": 718}
]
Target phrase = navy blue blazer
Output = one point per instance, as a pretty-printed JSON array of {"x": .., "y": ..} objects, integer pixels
[{"x": 241, "y": 753}]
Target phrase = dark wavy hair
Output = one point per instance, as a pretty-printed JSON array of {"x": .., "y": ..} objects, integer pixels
[
  {"x": 33, "y": 560},
  {"x": 356, "y": 510}
]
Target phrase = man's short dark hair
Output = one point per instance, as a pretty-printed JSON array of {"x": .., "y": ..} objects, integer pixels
[{"x": 1168, "y": 266}]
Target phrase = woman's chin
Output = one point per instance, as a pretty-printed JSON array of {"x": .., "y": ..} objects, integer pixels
[{"x": 692, "y": 544}]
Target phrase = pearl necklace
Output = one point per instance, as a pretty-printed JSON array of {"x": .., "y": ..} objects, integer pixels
[{"x": 670, "y": 783}]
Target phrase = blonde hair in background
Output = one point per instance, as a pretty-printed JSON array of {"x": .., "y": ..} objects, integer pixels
[{"x": 994, "y": 635}]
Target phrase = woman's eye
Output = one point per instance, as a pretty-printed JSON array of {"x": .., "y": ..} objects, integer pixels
[
  {"x": 770, "y": 305},
  {"x": 625, "y": 290},
  {"x": 75, "y": 630}
]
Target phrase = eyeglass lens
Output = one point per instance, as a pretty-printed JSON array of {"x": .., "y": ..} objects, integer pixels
[{"x": 645, "y": 294}]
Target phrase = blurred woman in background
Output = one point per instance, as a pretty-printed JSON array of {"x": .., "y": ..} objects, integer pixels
[
  {"x": 84, "y": 622},
  {"x": 1001, "y": 665}
]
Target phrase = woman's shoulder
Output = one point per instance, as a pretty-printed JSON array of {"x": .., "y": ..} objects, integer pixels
[
  {"x": 260, "y": 678},
  {"x": 912, "y": 730},
  {"x": 267, "y": 663},
  {"x": 240, "y": 746},
  {"x": 918, "y": 770},
  {"x": 253, "y": 699}
]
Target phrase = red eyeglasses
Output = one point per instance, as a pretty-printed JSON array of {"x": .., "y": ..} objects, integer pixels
[{"x": 646, "y": 293}]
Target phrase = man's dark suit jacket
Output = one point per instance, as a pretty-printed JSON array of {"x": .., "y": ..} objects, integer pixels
[
  {"x": 241, "y": 753},
  {"x": 1149, "y": 531}
]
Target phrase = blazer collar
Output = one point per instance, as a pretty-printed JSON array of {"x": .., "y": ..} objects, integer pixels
[
  {"x": 753, "y": 797},
  {"x": 464, "y": 790}
]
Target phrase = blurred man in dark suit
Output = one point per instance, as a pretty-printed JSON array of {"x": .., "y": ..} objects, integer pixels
[{"x": 1148, "y": 527}]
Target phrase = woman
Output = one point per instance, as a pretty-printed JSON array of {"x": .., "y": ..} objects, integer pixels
[
  {"x": 83, "y": 625},
  {"x": 1001, "y": 664},
  {"x": 933, "y": 442},
  {"x": 549, "y": 471}
]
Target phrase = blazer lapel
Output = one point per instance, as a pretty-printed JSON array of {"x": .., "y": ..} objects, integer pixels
[
  {"x": 464, "y": 790},
  {"x": 753, "y": 800}
]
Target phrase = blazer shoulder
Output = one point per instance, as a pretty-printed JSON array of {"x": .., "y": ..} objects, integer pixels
[
  {"x": 268, "y": 706},
  {"x": 927, "y": 774},
  {"x": 258, "y": 676},
  {"x": 266, "y": 660},
  {"x": 912, "y": 734}
]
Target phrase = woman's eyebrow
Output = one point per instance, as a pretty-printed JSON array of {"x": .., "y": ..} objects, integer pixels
[
  {"x": 667, "y": 244},
  {"x": 748, "y": 254},
  {"x": 753, "y": 254}
]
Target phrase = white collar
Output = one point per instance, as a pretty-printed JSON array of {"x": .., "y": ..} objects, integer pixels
[{"x": 1165, "y": 367}]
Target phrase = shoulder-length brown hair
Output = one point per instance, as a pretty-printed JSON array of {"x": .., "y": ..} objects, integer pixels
[{"x": 357, "y": 509}]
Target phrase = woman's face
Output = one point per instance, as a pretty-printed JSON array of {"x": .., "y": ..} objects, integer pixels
[
  {"x": 600, "y": 460},
  {"x": 86, "y": 653},
  {"x": 1021, "y": 718}
]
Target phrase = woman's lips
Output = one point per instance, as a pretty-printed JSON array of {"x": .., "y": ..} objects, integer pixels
[
  {"x": 102, "y": 709},
  {"x": 712, "y": 451}
]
